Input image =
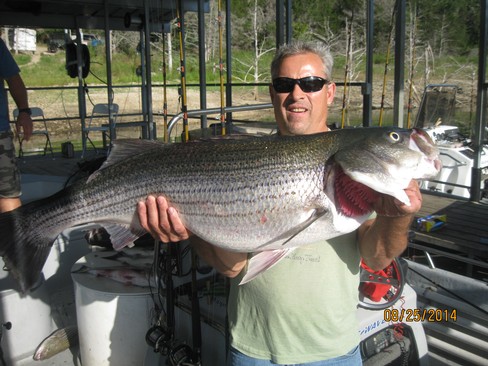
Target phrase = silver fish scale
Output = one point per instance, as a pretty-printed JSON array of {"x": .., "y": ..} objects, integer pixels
[
  {"x": 246, "y": 213},
  {"x": 238, "y": 199}
]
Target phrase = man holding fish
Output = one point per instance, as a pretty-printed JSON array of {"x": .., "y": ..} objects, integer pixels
[{"x": 303, "y": 309}]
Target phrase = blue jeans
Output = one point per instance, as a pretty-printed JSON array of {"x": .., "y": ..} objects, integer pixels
[{"x": 236, "y": 358}]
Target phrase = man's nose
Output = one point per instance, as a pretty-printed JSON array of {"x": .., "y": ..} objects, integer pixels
[{"x": 297, "y": 90}]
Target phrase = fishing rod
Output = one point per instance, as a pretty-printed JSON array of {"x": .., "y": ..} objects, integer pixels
[
  {"x": 346, "y": 71},
  {"x": 387, "y": 61},
  {"x": 412, "y": 66},
  {"x": 221, "y": 70},
  {"x": 184, "y": 105},
  {"x": 165, "y": 97}
]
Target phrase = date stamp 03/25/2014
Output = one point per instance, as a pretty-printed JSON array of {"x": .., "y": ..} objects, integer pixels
[{"x": 419, "y": 315}]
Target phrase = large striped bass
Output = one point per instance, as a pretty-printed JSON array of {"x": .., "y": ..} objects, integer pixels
[{"x": 265, "y": 194}]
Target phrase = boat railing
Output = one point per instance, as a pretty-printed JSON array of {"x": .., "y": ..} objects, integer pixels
[
  {"x": 428, "y": 250},
  {"x": 205, "y": 112},
  {"x": 459, "y": 162}
]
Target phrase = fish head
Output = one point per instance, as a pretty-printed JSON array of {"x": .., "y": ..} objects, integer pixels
[{"x": 386, "y": 159}]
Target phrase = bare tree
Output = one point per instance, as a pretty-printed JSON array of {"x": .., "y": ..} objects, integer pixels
[
  {"x": 254, "y": 29},
  {"x": 443, "y": 41},
  {"x": 215, "y": 19},
  {"x": 169, "y": 51}
]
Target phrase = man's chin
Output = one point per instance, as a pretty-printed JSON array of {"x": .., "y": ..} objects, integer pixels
[{"x": 297, "y": 129}]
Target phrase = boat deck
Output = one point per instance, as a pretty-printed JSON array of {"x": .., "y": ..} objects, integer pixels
[
  {"x": 54, "y": 166},
  {"x": 464, "y": 236}
]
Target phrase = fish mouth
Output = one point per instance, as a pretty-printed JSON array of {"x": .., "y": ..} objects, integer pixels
[
  {"x": 421, "y": 141},
  {"x": 353, "y": 199}
]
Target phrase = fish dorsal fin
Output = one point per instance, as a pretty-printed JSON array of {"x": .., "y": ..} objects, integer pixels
[
  {"x": 123, "y": 149},
  {"x": 263, "y": 261}
]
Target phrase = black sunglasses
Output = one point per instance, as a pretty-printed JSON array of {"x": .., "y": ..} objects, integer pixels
[{"x": 309, "y": 84}]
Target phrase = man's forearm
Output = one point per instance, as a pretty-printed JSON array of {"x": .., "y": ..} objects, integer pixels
[
  {"x": 383, "y": 239},
  {"x": 18, "y": 91},
  {"x": 228, "y": 263}
]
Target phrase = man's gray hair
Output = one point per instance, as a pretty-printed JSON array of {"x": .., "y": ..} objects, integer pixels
[{"x": 301, "y": 47}]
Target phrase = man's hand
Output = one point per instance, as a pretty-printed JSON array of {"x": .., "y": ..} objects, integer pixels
[
  {"x": 19, "y": 94},
  {"x": 24, "y": 124},
  {"x": 391, "y": 207},
  {"x": 161, "y": 221}
]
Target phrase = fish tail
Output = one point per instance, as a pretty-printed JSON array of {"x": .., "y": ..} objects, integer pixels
[
  {"x": 24, "y": 252},
  {"x": 58, "y": 341}
]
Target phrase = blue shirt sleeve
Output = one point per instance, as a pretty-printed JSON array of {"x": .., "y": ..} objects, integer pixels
[{"x": 8, "y": 66}]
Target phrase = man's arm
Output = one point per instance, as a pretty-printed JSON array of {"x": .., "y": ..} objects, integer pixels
[
  {"x": 19, "y": 94},
  {"x": 228, "y": 263},
  {"x": 386, "y": 237},
  {"x": 163, "y": 222}
]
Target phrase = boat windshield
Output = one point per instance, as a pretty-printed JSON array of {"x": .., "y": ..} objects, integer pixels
[{"x": 437, "y": 106}]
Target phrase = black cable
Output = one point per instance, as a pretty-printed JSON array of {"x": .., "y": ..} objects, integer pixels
[
  {"x": 195, "y": 312},
  {"x": 98, "y": 78}
]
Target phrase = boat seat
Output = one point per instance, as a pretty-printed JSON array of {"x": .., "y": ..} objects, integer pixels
[
  {"x": 99, "y": 113},
  {"x": 39, "y": 128}
]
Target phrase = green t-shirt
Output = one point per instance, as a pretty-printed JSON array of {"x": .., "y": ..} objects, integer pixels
[{"x": 301, "y": 310}]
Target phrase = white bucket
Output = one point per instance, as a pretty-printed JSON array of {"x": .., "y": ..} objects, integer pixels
[
  {"x": 33, "y": 315},
  {"x": 113, "y": 319},
  {"x": 30, "y": 320}
]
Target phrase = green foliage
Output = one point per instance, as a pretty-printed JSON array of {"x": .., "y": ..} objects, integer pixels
[
  {"x": 379, "y": 58},
  {"x": 50, "y": 70},
  {"x": 449, "y": 26},
  {"x": 243, "y": 23},
  {"x": 22, "y": 59}
]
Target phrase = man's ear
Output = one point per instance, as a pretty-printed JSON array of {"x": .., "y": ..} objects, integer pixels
[{"x": 331, "y": 90}]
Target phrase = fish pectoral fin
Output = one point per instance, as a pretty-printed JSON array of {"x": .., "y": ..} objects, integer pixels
[
  {"x": 294, "y": 231},
  {"x": 262, "y": 262},
  {"x": 122, "y": 235}
]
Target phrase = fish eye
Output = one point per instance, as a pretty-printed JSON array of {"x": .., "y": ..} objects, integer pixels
[{"x": 395, "y": 136}]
